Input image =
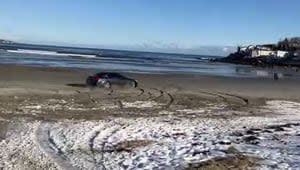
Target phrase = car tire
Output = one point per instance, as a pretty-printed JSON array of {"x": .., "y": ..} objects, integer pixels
[
  {"x": 133, "y": 84},
  {"x": 107, "y": 85},
  {"x": 90, "y": 82}
]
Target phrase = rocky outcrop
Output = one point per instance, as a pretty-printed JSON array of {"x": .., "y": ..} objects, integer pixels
[
  {"x": 292, "y": 61},
  {"x": 291, "y": 46}
]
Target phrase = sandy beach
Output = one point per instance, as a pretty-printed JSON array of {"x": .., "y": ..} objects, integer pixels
[{"x": 50, "y": 120}]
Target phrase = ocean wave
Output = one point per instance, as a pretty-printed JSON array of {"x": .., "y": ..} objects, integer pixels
[
  {"x": 204, "y": 58},
  {"x": 53, "y": 53}
]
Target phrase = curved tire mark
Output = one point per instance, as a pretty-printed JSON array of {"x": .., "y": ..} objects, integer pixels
[
  {"x": 149, "y": 96},
  {"x": 91, "y": 98},
  {"x": 105, "y": 139},
  {"x": 245, "y": 100},
  {"x": 54, "y": 145},
  {"x": 142, "y": 92},
  {"x": 161, "y": 93},
  {"x": 110, "y": 92},
  {"x": 171, "y": 100},
  {"x": 120, "y": 104},
  {"x": 216, "y": 94},
  {"x": 91, "y": 145},
  {"x": 43, "y": 140}
]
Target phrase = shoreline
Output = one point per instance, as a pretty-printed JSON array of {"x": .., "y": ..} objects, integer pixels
[{"x": 13, "y": 76}]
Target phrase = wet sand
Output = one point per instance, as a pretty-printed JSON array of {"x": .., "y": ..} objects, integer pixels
[
  {"x": 19, "y": 84},
  {"x": 51, "y": 79}
]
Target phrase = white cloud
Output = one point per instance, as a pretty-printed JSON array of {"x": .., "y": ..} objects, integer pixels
[
  {"x": 225, "y": 49},
  {"x": 183, "y": 48}
]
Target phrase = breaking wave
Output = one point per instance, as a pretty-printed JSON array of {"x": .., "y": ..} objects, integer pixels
[{"x": 53, "y": 53}]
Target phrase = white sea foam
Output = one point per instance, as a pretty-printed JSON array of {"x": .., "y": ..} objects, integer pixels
[{"x": 53, "y": 53}]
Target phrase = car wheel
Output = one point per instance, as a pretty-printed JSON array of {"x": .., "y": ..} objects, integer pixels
[
  {"x": 90, "y": 81},
  {"x": 133, "y": 84},
  {"x": 107, "y": 85}
]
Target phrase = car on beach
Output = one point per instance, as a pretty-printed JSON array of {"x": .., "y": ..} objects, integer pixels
[{"x": 106, "y": 80}]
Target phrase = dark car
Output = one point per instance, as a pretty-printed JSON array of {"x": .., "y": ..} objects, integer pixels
[{"x": 108, "y": 79}]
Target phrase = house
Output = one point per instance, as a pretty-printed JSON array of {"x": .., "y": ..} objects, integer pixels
[
  {"x": 245, "y": 49},
  {"x": 269, "y": 46},
  {"x": 266, "y": 50},
  {"x": 281, "y": 54},
  {"x": 261, "y": 51}
]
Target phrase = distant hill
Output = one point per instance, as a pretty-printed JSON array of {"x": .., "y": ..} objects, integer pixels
[{"x": 6, "y": 41}]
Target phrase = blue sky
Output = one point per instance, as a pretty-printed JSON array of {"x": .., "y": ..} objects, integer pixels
[{"x": 196, "y": 26}]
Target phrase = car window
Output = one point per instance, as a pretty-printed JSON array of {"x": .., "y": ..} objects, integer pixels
[
  {"x": 115, "y": 75},
  {"x": 102, "y": 75}
]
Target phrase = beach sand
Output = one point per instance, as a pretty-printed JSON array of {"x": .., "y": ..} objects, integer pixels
[{"x": 53, "y": 121}]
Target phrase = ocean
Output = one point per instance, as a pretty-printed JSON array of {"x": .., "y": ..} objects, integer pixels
[{"x": 123, "y": 61}]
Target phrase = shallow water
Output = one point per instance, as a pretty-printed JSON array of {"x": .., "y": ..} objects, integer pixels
[{"x": 127, "y": 61}]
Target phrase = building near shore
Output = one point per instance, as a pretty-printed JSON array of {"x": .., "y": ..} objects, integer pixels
[
  {"x": 244, "y": 49},
  {"x": 262, "y": 51},
  {"x": 282, "y": 54},
  {"x": 268, "y": 50}
]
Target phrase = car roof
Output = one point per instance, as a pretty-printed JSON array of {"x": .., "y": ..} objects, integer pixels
[{"x": 109, "y": 74}]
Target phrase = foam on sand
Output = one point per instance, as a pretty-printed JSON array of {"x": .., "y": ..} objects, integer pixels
[
  {"x": 167, "y": 141},
  {"x": 140, "y": 104}
]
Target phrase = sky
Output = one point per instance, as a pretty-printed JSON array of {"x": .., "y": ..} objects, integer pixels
[{"x": 188, "y": 26}]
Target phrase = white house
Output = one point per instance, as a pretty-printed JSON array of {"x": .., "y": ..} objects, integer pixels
[
  {"x": 261, "y": 52},
  {"x": 245, "y": 49},
  {"x": 281, "y": 54},
  {"x": 265, "y": 51}
]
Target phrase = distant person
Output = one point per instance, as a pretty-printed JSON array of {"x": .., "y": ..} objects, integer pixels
[{"x": 276, "y": 77}]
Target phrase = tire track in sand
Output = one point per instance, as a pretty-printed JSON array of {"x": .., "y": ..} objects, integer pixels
[
  {"x": 171, "y": 100},
  {"x": 108, "y": 132},
  {"x": 225, "y": 97},
  {"x": 43, "y": 139},
  {"x": 245, "y": 100},
  {"x": 91, "y": 145}
]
